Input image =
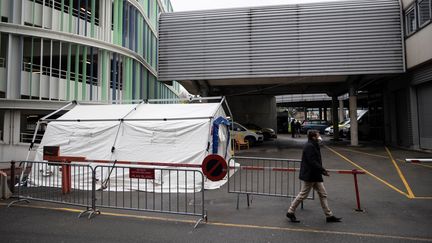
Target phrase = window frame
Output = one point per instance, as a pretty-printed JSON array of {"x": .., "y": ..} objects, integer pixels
[
  {"x": 414, "y": 6},
  {"x": 407, "y": 22},
  {"x": 418, "y": 15}
]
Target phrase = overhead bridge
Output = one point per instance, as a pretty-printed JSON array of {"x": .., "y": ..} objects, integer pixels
[
  {"x": 281, "y": 49},
  {"x": 252, "y": 54}
]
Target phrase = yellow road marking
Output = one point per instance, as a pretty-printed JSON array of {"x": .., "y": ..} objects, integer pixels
[
  {"x": 367, "y": 172},
  {"x": 405, "y": 182},
  {"x": 244, "y": 226},
  {"x": 385, "y": 157},
  {"x": 360, "y": 152}
]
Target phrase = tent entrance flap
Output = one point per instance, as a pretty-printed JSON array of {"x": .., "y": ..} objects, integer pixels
[{"x": 219, "y": 121}]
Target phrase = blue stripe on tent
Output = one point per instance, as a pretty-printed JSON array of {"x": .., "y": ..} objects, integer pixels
[{"x": 218, "y": 121}]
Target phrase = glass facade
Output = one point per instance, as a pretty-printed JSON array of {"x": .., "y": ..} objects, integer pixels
[
  {"x": 125, "y": 68},
  {"x": 84, "y": 50}
]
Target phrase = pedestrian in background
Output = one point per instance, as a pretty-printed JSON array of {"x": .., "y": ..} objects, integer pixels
[
  {"x": 311, "y": 172},
  {"x": 293, "y": 128},
  {"x": 298, "y": 127}
]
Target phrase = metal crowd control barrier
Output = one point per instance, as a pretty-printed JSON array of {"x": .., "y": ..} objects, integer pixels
[
  {"x": 135, "y": 188},
  {"x": 274, "y": 177},
  {"x": 151, "y": 189},
  {"x": 45, "y": 183},
  {"x": 264, "y": 177}
]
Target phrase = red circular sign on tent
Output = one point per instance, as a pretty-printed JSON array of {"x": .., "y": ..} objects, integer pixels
[{"x": 214, "y": 167}]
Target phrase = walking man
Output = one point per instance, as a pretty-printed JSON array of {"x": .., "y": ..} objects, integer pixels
[
  {"x": 293, "y": 128},
  {"x": 311, "y": 172}
]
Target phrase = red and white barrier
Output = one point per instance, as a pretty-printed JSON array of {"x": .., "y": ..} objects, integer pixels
[{"x": 422, "y": 160}]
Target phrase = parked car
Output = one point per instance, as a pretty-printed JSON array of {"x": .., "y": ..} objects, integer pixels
[
  {"x": 319, "y": 125},
  {"x": 363, "y": 125},
  {"x": 342, "y": 125},
  {"x": 250, "y": 136},
  {"x": 268, "y": 133}
]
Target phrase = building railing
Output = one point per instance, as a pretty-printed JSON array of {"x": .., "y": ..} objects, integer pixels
[
  {"x": 28, "y": 137},
  {"x": 57, "y": 73},
  {"x": 56, "y": 4},
  {"x": 2, "y": 62}
]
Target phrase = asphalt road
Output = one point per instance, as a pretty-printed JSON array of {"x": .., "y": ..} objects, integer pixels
[{"x": 398, "y": 208}]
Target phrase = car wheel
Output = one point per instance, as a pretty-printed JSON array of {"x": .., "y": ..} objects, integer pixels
[{"x": 251, "y": 140}]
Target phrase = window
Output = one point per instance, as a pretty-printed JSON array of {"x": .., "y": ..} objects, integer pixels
[
  {"x": 3, "y": 49},
  {"x": 410, "y": 21},
  {"x": 424, "y": 11},
  {"x": 28, "y": 126}
]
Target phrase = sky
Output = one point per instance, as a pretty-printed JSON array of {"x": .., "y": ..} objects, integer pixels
[{"x": 187, "y": 5}]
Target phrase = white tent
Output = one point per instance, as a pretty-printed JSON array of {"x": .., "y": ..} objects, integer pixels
[{"x": 167, "y": 133}]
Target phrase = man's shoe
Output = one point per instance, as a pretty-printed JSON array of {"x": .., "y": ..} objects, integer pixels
[
  {"x": 333, "y": 219},
  {"x": 292, "y": 218}
]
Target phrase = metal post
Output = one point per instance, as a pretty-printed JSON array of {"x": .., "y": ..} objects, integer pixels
[
  {"x": 358, "y": 209},
  {"x": 12, "y": 175}
]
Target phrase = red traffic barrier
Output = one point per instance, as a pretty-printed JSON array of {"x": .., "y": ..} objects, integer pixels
[{"x": 419, "y": 160}]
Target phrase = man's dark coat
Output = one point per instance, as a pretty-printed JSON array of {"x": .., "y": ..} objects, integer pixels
[{"x": 311, "y": 169}]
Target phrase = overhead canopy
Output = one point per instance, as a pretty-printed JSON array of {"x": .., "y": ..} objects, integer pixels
[{"x": 167, "y": 133}]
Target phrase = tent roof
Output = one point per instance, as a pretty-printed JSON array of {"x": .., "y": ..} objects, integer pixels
[{"x": 143, "y": 111}]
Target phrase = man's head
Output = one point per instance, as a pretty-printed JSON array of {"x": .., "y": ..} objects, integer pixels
[{"x": 313, "y": 135}]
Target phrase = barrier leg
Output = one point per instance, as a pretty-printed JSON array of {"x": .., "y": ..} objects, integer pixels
[
  {"x": 18, "y": 196},
  {"x": 238, "y": 200},
  {"x": 358, "y": 209},
  {"x": 204, "y": 218},
  {"x": 248, "y": 201},
  {"x": 92, "y": 210}
]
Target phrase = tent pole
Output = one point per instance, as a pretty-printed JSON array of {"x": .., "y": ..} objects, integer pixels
[
  {"x": 232, "y": 120},
  {"x": 115, "y": 140},
  {"x": 35, "y": 133},
  {"x": 58, "y": 110},
  {"x": 141, "y": 119}
]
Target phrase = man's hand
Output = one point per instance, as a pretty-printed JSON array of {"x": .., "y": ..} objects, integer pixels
[{"x": 326, "y": 173}]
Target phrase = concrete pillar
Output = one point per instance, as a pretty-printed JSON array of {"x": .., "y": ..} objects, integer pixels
[
  {"x": 353, "y": 116},
  {"x": 14, "y": 62},
  {"x": 320, "y": 113},
  {"x": 16, "y": 8},
  {"x": 341, "y": 110},
  {"x": 335, "y": 119}
]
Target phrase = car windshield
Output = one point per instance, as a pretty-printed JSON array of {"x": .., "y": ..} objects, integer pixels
[{"x": 253, "y": 126}]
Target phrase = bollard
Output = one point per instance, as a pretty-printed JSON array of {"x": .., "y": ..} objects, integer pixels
[{"x": 358, "y": 209}]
